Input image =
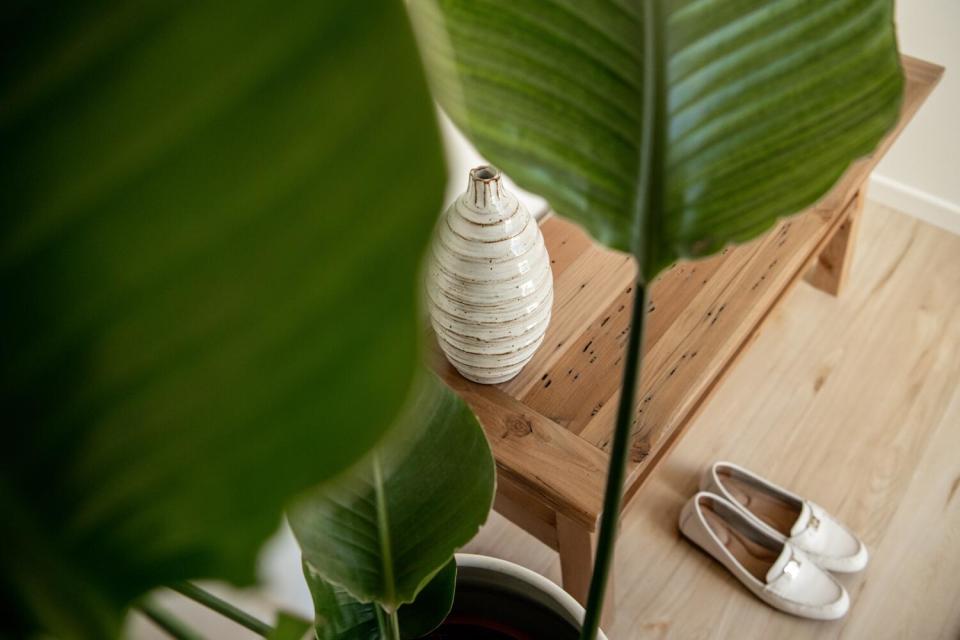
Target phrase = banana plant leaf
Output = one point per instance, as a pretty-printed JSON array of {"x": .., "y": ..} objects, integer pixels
[
  {"x": 667, "y": 128},
  {"x": 341, "y": 617},
  {"x": 381, "y": 532},
  {"x": 210, "y": 239}
]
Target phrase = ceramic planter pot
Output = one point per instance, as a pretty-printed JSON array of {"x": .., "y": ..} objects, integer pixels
[
  {"x": 499, "y": 600},
  {"x": 489, "y": 283}
]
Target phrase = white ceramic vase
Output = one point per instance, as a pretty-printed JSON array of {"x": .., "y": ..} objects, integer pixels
[{"x": 489, "y": 283}]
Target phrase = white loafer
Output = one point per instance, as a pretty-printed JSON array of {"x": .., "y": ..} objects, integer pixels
[
  {"x": 805, "y": 524},
  {"x": 769, "y": 566}
]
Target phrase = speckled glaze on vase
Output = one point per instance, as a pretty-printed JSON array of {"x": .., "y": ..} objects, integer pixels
[{"x": 490, "y": 286}]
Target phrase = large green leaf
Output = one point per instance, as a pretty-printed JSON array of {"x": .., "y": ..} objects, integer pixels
[
  {"x": 668, "y": 128},
  {"x": 384, "y": 529},
  {"x": 339, "y": 616},
  {"x": 212, "y": 221}
]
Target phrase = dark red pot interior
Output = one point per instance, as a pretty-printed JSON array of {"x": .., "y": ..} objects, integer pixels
[{"x": 491, "y": 614}]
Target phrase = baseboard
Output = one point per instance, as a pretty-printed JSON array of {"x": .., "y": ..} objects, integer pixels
[{"x": 914, "y": 202}]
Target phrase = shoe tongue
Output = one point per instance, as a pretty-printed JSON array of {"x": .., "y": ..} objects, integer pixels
[
  {"x": 803, "y": 520},
  {"x": 780, "y": 563}
]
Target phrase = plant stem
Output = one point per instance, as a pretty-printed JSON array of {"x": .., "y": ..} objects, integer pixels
[
  {"x": 648, "y": 205},
  {"x": 613, "y": 494},
  {"x": 395, "y": 624},
  {"x": 389, "y": 623},
  {"x": 168, "y": 622},
  {"x": 222, "y": 607}
]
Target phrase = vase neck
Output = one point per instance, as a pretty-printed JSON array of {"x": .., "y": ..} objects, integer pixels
[{"x": 484, "y": 189}]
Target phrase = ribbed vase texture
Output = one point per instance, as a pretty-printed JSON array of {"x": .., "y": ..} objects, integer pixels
[{"x": 490, "y": 286}]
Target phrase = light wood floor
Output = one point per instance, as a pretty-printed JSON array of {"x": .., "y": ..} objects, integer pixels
[{"x": 853, "y": 402}]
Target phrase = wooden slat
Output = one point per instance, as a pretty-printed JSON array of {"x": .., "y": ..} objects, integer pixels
[
  {"x": 580, "y": 294},
  {"x": 575, "y": 387},
  {"x": 584, "y": 382},
  {"x": 564, "y": 244}
]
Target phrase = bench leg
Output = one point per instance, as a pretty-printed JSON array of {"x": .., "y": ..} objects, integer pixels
[
  {"x": 576, "y": 545},
  {"x": 832, "y": 267}
]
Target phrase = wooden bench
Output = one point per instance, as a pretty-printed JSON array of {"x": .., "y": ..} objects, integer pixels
[{"x": 550, "y": 427}]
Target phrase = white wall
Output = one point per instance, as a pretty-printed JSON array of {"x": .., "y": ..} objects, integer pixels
[
  {"x": 921, "y": 173},
  {"x": 462, "y": 156}
]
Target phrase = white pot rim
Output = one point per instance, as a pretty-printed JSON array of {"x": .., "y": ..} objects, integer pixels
[{"x": 552, "y": 593}]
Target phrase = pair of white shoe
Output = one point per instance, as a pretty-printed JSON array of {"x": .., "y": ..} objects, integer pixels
[{"x": 780, "y": 546}]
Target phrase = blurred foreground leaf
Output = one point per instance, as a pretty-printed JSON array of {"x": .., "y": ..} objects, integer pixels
[{"x": 209, "y": 243}]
